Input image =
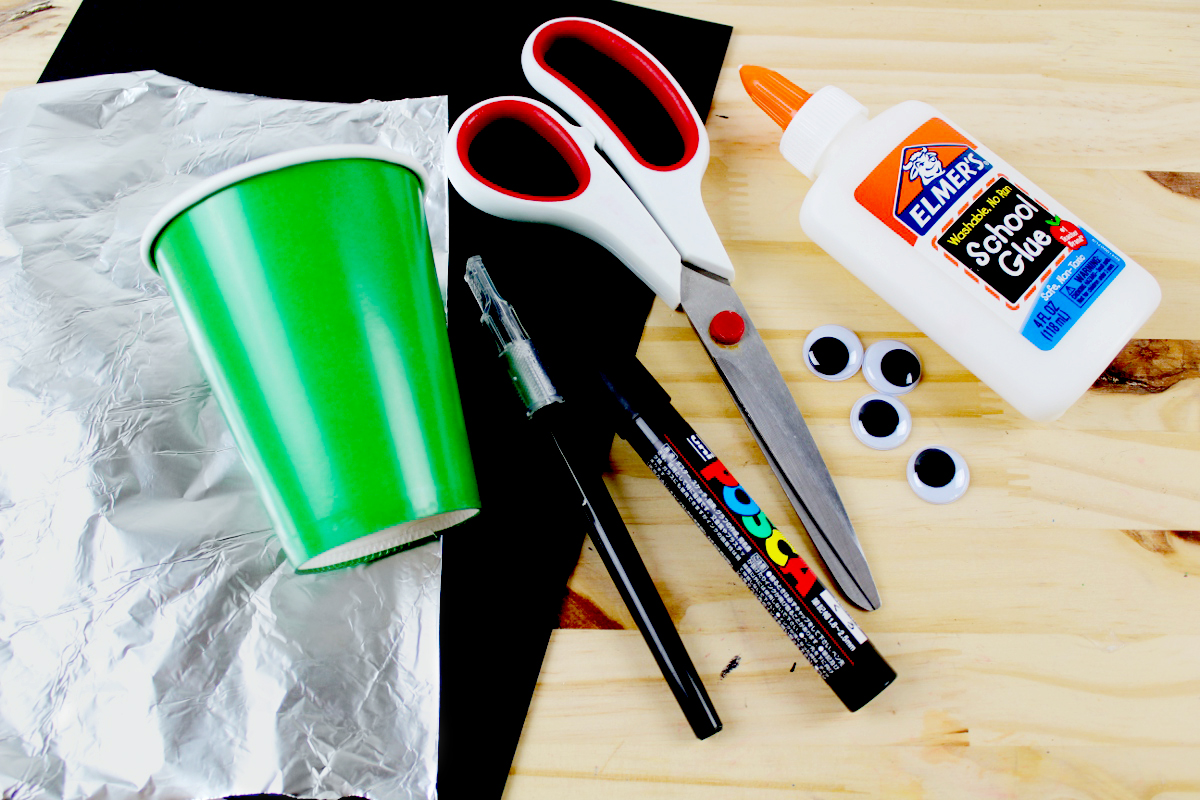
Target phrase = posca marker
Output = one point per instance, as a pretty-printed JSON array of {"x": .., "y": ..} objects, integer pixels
[
  {"x": 735, "y": 524},
  {"x": 998, "y": 273},
  {"x": 548, "y": 412}
]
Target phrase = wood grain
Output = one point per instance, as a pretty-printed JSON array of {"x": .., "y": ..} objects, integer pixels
[
  {"x": 29, "y": 31},
  {"x": 1151, "y": 365},
  {"x": 1186, "y": 183}
]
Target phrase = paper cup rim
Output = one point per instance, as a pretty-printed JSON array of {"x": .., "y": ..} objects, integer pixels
[{"x": 259, "y": 166}]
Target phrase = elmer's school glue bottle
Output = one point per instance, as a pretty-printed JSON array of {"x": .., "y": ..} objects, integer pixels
[{"x": 969, "y": 250}]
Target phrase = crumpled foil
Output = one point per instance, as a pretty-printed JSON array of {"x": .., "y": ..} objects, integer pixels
[{"x": 154, "y": 643}]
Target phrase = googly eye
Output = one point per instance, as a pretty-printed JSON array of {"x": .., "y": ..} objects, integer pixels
[
  {"x": 833, "y": 352},
  {"x": 880, "y": 421},
  {"x": 891, "y": 367},
  {"x": 938, "y": 474}
]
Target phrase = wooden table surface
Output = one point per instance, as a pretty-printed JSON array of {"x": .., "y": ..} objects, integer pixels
[{"x": 1045, "y": 627}]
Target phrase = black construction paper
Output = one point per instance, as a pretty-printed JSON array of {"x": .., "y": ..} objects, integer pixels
[{"x": 504, "y": 572}]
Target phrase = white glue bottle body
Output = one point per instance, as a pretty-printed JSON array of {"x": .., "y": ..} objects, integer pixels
[{"x": 974, "y": 254}]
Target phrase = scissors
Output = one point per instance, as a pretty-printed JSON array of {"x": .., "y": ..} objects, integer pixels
[{"x": 652, "y": 218}]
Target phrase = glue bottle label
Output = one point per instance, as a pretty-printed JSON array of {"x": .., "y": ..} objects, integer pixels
[{"x": 1038, "y": 271}]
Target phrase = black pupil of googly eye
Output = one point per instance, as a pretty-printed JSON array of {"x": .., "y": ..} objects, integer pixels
[
  {"x": 900, "y": 367},
  {"x": 828, "y": 355},
  {"x": 879, "y": 418},
  {"x": 934, "y": 468}
]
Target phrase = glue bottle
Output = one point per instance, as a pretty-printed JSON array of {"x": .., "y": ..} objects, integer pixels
[{"x": 991, "y": 268}]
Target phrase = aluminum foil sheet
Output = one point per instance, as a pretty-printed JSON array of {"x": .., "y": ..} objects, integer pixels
[{"x": 154, "y": 643}]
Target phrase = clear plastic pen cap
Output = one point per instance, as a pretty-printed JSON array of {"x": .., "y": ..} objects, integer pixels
[{"x": 525, "y": 368}]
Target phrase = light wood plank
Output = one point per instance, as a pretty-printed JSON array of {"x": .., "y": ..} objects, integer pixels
[{"x": 1043, "y": 626}]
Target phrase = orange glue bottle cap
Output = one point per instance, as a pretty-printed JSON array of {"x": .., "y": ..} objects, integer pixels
[
  {"x": 811, "y": 122},
  {"x": 773, "y": 93}
]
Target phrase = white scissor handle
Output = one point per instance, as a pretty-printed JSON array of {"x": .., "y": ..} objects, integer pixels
[
  {"x": 602, "y": 208},
  {"x": 672, "y": 193}
]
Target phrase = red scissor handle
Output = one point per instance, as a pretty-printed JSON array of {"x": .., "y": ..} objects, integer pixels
[
  {"x": 640, "y": 64},
  {"x": 537, "y": 120},
  {"x": 603, "y": 207}
]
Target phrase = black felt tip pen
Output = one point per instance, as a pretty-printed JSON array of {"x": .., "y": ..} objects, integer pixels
[
  {"x": 781, "y": 580},
  {"x": 607, "y": 530}
]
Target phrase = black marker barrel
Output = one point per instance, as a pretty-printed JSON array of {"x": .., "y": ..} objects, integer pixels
[
  {"x": 786, "y": 586},
  {"x": 616, "y": 548},
  {"x": 547, "y": 410}
]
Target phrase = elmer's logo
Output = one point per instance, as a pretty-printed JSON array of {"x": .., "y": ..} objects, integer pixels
[{"x": 922, "y": 178}]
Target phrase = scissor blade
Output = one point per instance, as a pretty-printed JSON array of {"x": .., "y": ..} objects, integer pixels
[{"x": 766, "y": 404}]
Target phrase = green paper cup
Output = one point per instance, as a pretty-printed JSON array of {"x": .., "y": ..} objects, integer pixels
[{"x": 307, "y": 287}]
